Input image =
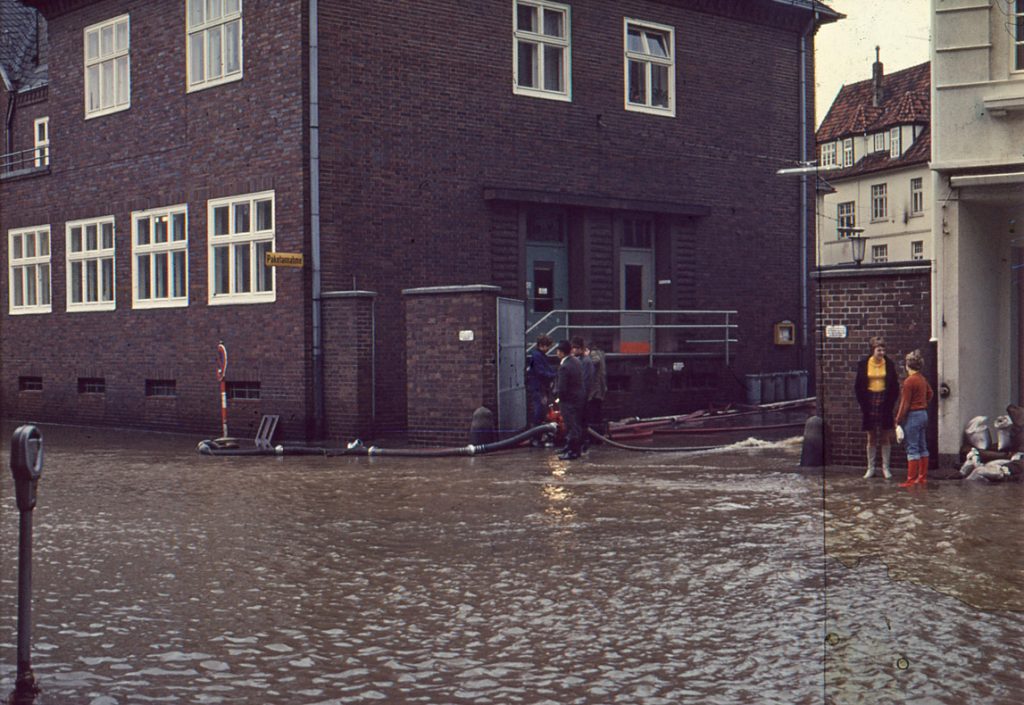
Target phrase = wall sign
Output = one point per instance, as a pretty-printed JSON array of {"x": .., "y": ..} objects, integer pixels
[{"x": 835, "y": 331}]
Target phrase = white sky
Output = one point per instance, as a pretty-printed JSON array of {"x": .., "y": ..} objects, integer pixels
[{"x": 845, "y": 50}]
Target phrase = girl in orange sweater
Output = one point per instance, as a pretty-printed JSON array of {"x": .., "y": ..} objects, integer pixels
[{"x": 912, "y": 414}]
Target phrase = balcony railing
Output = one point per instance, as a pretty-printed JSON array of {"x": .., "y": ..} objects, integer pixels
[
  {"x": 651, "y": 333},
  {"x": 25, "y": 161}
]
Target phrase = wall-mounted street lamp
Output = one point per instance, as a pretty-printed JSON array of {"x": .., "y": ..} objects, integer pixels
[{"x": 857, "y": 242}]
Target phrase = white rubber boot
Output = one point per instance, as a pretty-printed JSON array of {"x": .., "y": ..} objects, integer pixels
[
  {"x": 886, "y": 454},
  {"x": 871, "y": 463}
]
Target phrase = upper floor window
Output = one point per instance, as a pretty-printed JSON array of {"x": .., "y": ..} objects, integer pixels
[
  {"x": 241, "y": 233},
  {"x": 1018, "y": 36},
  {"x": 214, "y": 42},
  {"x": 541, "y": 52},
  {"x": 879, "y": 253},
  {"x": 879, "y": 202},
  {"x": 879, "y": 142},
  {"x": 650, "y": 68},
  {"x": 894, "y": 142},
  {"x": 160, "y": 258},
  {"x": 41, "y": 141},
  {"x": 828, "y": 154},
  {"x": 29, "y": 269},
  {"x": 917, "y": 249},
  {"x": 107, "y": 67},
  {"x": 90, "y": 264},
  {"x": 846, "y": 218},
  {"x": 848, "y": 152},
  {"x": 916, "y": 196}
]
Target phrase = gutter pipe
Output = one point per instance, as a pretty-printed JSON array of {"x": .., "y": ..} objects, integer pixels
[
  {"x": 314, "y": 219},
  {"x": 804, "y": 279}
]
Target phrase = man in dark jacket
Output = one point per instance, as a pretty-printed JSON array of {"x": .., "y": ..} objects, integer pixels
[
  {"x": 540, "y": 373},
  {"x": 571, "y": 396}
]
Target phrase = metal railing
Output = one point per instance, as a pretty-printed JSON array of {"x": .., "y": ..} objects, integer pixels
[
  {"x": 695, "y": 331},
  {"x": 24, "y": 161}
]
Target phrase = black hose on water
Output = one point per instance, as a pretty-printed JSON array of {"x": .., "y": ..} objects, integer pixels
[{"x": 209, "y": 447}]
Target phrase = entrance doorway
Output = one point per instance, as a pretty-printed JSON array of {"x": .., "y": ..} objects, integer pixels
[
  {"x": 636, "y": 286},
  {"x": 547, "y": 267}
]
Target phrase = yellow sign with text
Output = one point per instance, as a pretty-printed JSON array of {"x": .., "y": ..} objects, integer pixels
[{"x": 284, "y": 259}]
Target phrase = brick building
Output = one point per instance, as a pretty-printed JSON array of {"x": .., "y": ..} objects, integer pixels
[
  {"x": 875, "y": 142},
  {"x": 618, "y": 155}
]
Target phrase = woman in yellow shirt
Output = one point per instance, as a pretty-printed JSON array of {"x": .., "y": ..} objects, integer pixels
[{"x": 877, "y": 387}]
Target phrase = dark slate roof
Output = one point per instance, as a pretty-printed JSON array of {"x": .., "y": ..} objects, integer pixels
[
  {"x": 905, "y": 100},
  {"x": 18, "y": 27}
]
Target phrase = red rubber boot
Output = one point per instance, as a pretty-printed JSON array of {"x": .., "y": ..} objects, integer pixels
[
  {"x": 922, "y": 471},
  {"x": 913, "y": 467}
]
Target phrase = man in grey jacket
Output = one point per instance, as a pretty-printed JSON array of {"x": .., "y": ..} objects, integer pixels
[{"x": 571, "y": 397}]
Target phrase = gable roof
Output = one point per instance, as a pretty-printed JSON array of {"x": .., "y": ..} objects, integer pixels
[
  {"x": 906, "y": 100},
  {"x": 19, "y": 27}
]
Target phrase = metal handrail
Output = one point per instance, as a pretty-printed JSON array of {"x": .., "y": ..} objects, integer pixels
[
  {"x": 561, "y": 319},
  {"x": 25, "y": 160}
]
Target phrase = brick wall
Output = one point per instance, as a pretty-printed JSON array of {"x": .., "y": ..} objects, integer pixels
[
  {"x": 415, "y": 129},
  {"x": 349, "y": 365},
  {"x": 893, "y": 302},
  {"x": 170, "y": 147},
  {"x": 450, "y": 378}
]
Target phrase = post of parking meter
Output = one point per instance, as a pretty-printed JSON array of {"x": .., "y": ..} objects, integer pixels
[
  {"x": 222, "y": 371},
  {"x": 26, "y": 466}
]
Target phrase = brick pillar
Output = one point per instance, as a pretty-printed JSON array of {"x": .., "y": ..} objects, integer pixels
[
  {"x": 855, "y": 304},
  {"x": 451, "y": 352},
  {"x": 349, "y": 370}
]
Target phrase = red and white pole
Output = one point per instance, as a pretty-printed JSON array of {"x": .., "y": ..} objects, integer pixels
[{"x": 222, "y": 371}]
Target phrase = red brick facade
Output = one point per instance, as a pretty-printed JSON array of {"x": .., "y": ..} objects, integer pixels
[
  {"x": 428, "y": 165},
  {"x": 894, "y": 302}
]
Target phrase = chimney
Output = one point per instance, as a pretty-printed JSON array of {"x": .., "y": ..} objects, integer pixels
[{"x": 876, "y": 81}]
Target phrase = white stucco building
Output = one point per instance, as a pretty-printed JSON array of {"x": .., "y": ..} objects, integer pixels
[
  {"x": 978, "y": 182},
  {"x": 873, "y": 147}
]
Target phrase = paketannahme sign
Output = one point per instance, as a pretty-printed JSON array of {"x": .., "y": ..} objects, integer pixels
[{"x": 284, "y": 259}]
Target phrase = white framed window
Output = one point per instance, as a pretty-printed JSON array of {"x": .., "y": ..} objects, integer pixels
[
  {"x": 241, "y": 233},
  {"x": 879, "y": 202},
  {"x": 828, "y": 154},
  {"x": 89, "y": 251},
  {"x": 917, "y": 249},
  {"x": 1018, "y": 36},
  {"x": 107, "y": 67},
  {"x": 41, "y": 141},
  {"x": 28, "y": 270},
  {"x": 894, "y": 142},
  {"x": 846, "y": 217},
  {"x": 879, "y": 142},
  {"x": 541, "y": 54},
  {"x": 214, "y": 46},
  {"x": 917, "y": 196},
  {"x": 160, "y": 257},
  {"x": 848, "y": 152},
  {"x": 879, "y": 253},
  {"x": 650, "y": 67}
]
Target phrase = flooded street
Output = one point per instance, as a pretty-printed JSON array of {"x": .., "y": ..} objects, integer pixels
[{"x": 165, "y": 576}]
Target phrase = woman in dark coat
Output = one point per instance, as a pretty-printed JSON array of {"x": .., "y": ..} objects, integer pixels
[{"x": 877, "y": 388}]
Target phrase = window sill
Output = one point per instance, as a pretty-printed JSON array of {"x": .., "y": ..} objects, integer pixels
[
  {"x": 539, "y": 93},
  {"x": 87, "y": 308},
  {"x": 176, "y": 303},
  {"x": 662, "y": 112},
  {"x": 212, "y": 83},
  {"x": 107, "y": 111},
  {"x": 242, "y": 299},
  {"x": 35, "y": 311}
]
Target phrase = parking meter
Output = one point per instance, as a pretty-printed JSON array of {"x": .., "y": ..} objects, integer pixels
[{"x": 26, "y": 464}]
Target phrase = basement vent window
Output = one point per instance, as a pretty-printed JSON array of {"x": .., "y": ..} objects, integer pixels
[
  {"x": 161, "y": 388},
  {"x": 92, "y": 385},
  {"x": 30, "y": 384},
  {"x": 243, "y": 391}
]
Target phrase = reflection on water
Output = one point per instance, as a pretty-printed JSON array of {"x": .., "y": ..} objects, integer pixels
[{"x": 162, "y": 576}]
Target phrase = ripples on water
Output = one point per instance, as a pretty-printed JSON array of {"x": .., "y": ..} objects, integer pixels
[{"x": 509, "y": 578}]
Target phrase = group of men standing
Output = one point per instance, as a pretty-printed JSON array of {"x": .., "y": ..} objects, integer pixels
[{"x": 580, "y": 384}]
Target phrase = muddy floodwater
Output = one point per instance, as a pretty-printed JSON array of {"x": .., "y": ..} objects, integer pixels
[{"x": 721, "y": 578}]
